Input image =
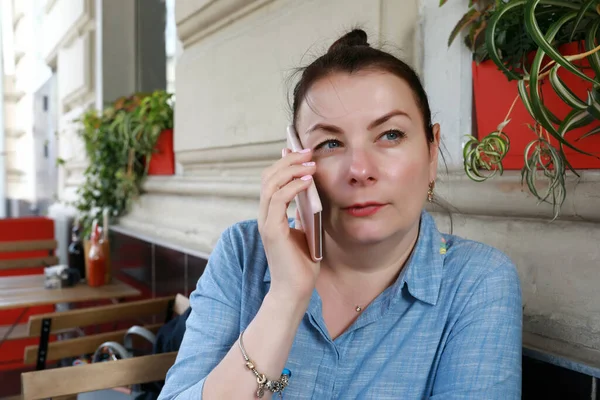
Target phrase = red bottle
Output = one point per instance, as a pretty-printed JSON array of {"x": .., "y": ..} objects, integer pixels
[{"x": 96, "y": 259}]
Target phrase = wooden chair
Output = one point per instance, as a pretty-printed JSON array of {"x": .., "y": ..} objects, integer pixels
[
  {"x": 43, "y": 325},
  {"x": 47, "y": 246},
  {"x": 27, "y": 245},
  {"x": 67, "y": 382},
  {"x": 28, "y": 257}
]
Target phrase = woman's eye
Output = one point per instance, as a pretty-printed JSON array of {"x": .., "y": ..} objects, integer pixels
[
  {"x": 393, "y": 135},
  {"x": 329, "y": 145}
]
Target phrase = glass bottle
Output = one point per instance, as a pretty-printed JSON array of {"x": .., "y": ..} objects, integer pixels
[
  {"x": 76, "y": 259},
  {"x": 96, "y": 259}
]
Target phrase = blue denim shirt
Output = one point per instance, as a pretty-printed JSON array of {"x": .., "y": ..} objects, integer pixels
[{"x": 448, "y": 328}]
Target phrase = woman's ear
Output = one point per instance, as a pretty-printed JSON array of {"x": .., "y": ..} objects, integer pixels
[{"x": 434, "y": 148}]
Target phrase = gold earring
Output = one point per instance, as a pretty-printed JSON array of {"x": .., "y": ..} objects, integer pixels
[{"x": 430, "y": 191}]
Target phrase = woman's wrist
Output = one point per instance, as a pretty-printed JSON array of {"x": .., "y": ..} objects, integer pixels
[{"x": 285, "y": 304}]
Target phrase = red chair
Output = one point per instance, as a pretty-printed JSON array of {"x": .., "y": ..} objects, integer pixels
[{"x": 27, "y": 245}]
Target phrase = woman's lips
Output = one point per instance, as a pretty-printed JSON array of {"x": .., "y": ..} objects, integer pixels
[{"x": 363, "y": 210}]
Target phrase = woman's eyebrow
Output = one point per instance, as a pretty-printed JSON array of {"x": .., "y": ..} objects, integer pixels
[
  {"x": 324, "y": 127},
  {"x": 386, "y": 117},
  {"x": 336, "y": 130}
]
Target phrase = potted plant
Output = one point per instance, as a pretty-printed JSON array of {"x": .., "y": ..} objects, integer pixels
[
  {"x": 155, "y": 115},
  {"x": 536, "y": 78},
  {"x": 120, "y": 144}
]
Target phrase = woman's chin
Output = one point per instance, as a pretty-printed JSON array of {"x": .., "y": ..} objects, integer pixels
[{"x": 364, "y": 231}]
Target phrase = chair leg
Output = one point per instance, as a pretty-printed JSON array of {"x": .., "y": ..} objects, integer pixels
[{"x": 43, "y": 347}]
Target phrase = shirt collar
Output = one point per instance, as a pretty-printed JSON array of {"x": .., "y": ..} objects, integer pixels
[
  {"x": 423, "y": 271},
  {"x": 424, "y": 268}
]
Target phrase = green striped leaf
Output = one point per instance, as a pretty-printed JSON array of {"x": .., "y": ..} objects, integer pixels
[
  {"x": 590, "y": 44},
  {"x": 490, "y": 37},
  {"x": 472, "y": 175},
  {"x": 593, "y": 103},
  {"x": 524, "y": 94},
  {"x": 544, "y": 42},
  {"x": 539, "y": 110},
  {"x": 575, "y": 119},
  {"x": 564, "y": 92},
  {"x": 580, "y": 16},
  {"x": 590, "y": 133}
]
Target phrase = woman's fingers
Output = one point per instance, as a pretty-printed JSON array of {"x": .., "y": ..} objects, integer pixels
[
  {"x": 283, "y": 178},
  {"x": 290, "y": 158},
  {"x": 284, "y": 171},
  {"x": 276, "y": 215}
]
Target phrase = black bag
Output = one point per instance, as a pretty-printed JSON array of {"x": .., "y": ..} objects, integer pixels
[{"x": 168, "y": 339}]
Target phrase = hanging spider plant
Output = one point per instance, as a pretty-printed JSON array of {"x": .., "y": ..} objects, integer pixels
[{"x": 566, "y": 20}]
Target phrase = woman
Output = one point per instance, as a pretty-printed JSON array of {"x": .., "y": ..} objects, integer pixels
[{"x": 395, "y": 310}]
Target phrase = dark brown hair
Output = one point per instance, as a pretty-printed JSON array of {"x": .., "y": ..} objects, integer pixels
[{"x": 352, "y": 53}]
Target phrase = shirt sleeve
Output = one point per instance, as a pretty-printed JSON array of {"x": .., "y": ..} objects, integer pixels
[
  {"x": 212, "y": 326},
  {"x": 482, "y": 356}
]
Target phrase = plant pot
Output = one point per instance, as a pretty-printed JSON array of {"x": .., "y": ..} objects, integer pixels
[
  {"x": 494, "y": 95},
  {"x": 162, "y": 161}
]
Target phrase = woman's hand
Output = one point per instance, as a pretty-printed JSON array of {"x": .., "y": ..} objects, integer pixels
[{"x": 293, "y": 272}]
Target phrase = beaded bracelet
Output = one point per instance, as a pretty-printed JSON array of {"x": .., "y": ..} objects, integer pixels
[{"x": 274, "y": 386}]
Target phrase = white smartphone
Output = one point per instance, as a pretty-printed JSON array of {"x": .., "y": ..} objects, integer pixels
[{"x": 309, "y": 206}]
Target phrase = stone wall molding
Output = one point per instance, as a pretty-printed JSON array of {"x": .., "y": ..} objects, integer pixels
[
  {"x": 505, "y": 196},
  {"x": 198, "y": 19},
  {"x": 67, "y": 33}
]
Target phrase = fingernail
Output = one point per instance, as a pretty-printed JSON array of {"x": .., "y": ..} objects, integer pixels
[
  {"x": 284, "y": 152},
  {"x": 304, "y": 151},
  {"x": 308, "y": 164},
  {"x": 306, "y": 177}
]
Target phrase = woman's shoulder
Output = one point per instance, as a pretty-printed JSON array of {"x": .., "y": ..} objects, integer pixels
[
  {"x": 476, "y": 260},
  {"x": 242, "y": 237},
  {"x": 237, "y": 254}
]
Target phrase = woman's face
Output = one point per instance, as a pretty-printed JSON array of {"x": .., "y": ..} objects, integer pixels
[{"x": 373, "y": 161}]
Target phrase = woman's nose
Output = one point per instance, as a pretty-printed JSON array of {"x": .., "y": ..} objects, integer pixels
[{"x": 362, "y": 169}]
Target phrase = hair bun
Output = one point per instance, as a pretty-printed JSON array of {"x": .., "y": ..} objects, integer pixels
[{"x": 356, "y": 37}]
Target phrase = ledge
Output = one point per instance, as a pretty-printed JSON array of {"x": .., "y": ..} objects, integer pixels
[
  {"x": 232, "y": 154},
  {"x": 504, "y": 196},
  {"x": 14, "y": 133},
  {"x": 576, "y": 358},
  {"x": 160, "y": 241},
  {"x": 14, "y": 174},
  {"x": 198, "y": 19},
  {"x": 13, "y": 96},
  {"x": 48, "y": 6},
  {"x": 180, "y": 186},
  {"x": 83, "y": 22}
]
